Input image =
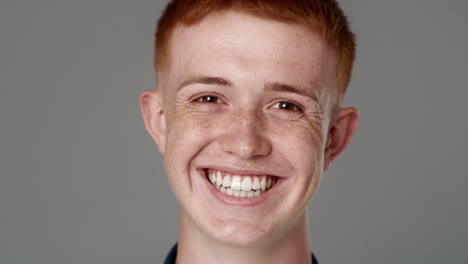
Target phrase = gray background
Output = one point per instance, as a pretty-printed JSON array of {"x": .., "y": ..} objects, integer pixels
[{"x": 82, "y": 182}]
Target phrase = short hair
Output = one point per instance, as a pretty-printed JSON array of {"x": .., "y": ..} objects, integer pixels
[{"x": 324, "y": 17}]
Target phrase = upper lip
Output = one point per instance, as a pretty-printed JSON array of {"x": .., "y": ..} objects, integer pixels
[{"x": 241, "y": 172}]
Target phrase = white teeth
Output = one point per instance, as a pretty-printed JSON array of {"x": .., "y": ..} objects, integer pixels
[
  {"x": 237, "y": 186},
  {"x": 263, "y": 183},
  {"x": 219, "y": 179},
  {"x": 236, "y": 183},
  {"x": 212, "y": 177},
  {"x": 227, "y": 181},
  {"x": 246, "y": 184},
  {"x": 256, "y": 184}
]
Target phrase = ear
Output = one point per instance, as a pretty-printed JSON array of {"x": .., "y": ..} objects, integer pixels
[
  {"x": 340, "y": 133},
  {"x": 152, "y": 110}
]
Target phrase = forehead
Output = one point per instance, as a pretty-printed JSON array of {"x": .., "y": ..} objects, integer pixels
[{"x": 237, "y": 44}]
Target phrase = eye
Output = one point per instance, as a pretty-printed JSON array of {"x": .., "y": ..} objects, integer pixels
[
  {"x": 285, "y": 105},
  {"x": 209, "y": 99}
]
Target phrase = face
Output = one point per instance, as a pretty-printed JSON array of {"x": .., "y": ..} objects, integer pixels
[{"x": 243, "y": 118}]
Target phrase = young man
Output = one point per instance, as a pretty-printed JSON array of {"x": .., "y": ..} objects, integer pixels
[{"x": 248, "y": 116}]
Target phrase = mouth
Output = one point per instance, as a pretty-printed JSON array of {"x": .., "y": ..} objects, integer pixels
[{"x": 243, "y": 186}]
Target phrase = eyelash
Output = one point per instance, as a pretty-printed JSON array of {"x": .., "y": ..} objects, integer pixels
[
  {"x": 287, "y": 104},
  {"x": 208, "y": 99},
  {"x": 281, "y": 105}
]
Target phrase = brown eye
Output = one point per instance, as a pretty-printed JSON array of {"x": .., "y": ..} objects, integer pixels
[
  {"x": 284, "y": 105},
  {"x": 209, "y": 99}
]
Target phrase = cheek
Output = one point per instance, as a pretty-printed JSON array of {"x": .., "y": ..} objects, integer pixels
[
  {"x": 307, "y": 134},
  {"x": 187, "y": 132},
  {"x": 184, "y": 138},
  {"x": 303, "y": 144}
]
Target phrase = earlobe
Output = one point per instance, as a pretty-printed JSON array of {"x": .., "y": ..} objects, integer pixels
[
  {"x": 340, "y": 133},
  {"x": 152, "y": 110}
]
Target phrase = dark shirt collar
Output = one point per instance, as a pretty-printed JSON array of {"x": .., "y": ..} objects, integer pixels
[{"x": 171, "y": 257}]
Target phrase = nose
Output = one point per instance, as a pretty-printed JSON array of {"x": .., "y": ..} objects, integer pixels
[{"x": 244, "y": 136}]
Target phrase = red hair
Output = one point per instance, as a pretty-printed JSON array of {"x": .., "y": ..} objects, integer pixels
[{"x": 324, "y": 17}]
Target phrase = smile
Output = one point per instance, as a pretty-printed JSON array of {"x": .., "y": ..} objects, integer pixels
[{"x": 242, "y": 186}]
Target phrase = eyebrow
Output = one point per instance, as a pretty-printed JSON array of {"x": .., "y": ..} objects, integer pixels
[
  {"x": 205, "y": 80},
  {"x": 301, "y": 90}
]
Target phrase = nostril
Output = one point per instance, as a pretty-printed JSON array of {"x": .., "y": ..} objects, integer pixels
[{"x": 245, "y": 145}]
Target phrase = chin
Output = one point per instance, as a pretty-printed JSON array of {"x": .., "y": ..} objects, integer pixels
[{"x": 240, "y": 235}]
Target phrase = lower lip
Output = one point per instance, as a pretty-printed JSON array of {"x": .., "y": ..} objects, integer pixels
[{"x": 231, "y": 200}]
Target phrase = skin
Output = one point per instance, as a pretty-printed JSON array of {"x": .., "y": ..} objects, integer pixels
[{"x": 252, "y": 97}]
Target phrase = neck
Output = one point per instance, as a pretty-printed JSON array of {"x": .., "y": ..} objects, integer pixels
[{"x": 196, "y": 247}]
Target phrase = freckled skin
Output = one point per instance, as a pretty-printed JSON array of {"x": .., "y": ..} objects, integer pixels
[
  {"x": 245, "y": 118},
  {"x": 244, "y": 128}
]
